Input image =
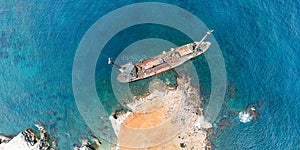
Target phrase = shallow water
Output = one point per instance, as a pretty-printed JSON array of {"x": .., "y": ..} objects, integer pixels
[{"x": 259, "y": 41}]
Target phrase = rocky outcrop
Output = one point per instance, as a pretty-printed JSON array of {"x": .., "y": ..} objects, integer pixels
[
  {"x": 27, "y": 140},
  {"x": 163, "y": 119}
]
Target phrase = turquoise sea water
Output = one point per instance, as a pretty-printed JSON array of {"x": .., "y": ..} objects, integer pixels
[{"x": 259, "y": 41}]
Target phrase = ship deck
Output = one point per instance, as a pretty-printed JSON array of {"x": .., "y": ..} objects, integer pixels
[{"x": 164, "y": 62}]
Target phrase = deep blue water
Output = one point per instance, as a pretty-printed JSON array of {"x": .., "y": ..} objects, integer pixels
[{"x": 259, "y": 41}]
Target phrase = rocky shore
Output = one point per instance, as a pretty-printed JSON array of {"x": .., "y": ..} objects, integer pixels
[
  {"x": 167, "y": 118},
  {"x": 29, "y": 140},
  {"x": 26, "y": 140},
  {"x": 86, "y": 145}
]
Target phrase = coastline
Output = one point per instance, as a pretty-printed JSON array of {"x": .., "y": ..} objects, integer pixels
[
  {"x": 165, "y": 118},
  {"x": 28, "y": 140}
]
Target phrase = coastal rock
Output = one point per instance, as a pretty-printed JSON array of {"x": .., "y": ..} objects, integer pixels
[
  {"x": 27, "y": 140},
  {"x": 4, "y": 139},
  {"x": 86, "y": 145},
  {"x": 163, "y": 119}
]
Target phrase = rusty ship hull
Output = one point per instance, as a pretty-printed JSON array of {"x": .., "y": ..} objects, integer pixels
[{"x": 163, "y": 62}]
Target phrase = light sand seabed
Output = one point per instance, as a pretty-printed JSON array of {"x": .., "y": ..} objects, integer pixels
[{"x": 164, "y": 119}]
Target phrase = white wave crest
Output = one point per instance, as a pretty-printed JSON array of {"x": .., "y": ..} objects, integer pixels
[{"x": 245, "y": 117}]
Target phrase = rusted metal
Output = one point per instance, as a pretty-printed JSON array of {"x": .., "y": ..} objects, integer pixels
[{"x": 163, "y": 62}]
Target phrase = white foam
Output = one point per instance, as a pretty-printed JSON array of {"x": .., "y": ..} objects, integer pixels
[{"x": 245, "y": 117}]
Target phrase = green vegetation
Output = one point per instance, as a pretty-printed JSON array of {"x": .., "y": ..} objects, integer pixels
[{"x": 182, "y": 145}]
